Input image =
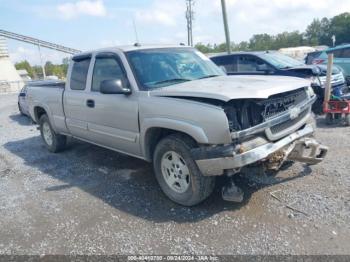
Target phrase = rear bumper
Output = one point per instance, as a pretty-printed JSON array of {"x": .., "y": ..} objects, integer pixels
[{"x": 298, "y": 146}]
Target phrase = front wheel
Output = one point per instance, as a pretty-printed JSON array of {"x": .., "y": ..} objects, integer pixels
[
  {"x": 53, "y": 142},
  {"x": 178, "y": 174}
]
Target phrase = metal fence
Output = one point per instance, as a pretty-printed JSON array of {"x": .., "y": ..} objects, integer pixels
[{"x": 11, "y": 86}]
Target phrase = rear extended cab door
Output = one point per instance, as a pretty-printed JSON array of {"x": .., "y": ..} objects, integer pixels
[{"x": 76, "y": 96}]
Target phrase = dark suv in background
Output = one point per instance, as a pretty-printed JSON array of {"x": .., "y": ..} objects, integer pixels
[{"x": 275, "y": 63}]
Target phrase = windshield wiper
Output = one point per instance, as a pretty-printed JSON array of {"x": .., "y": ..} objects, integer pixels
[
  {"x": 208, "y": 76},
  {"x": 172, "y": 80}
]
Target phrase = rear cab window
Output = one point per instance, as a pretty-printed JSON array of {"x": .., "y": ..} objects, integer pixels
[{"x": 79, "y": 73}]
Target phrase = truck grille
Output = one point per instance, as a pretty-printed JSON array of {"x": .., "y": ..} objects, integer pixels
[
  {"x": 285, "y": 125},
  {"x": 278, "y": 104},
  {"x": 275, "y": 106},
  {"x": 245, "y": 114}
]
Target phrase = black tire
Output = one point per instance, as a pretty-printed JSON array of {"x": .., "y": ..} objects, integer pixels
[
  {"x": 199, "y": 187},
  {"x": 317, "y": 107},
  {"x": 58, "y": 141}
]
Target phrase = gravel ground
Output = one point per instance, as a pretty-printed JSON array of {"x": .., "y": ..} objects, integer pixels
[{"x": 89, "y": 200}]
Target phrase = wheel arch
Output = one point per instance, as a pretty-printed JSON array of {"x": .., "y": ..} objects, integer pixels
[
  {"x": 38, "y": 112},
  {"x": 154, "y": 133}
]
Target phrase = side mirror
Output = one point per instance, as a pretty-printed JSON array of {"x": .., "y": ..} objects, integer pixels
[
  {"x": 22, "y": 94},
  {"x": 114, "y": 86}
]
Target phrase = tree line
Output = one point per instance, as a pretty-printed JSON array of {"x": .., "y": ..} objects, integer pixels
[
  {"x": 319, "y": 32},
  {"x": 36, "y": 72}
]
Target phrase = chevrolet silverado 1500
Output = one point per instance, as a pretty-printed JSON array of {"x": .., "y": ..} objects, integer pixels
[{"x": 172, "y": 106}]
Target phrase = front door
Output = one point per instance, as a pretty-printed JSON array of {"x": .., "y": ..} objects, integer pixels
[{"x": 112, "y": 118}]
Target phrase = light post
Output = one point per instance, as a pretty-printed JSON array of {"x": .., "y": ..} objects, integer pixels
[{"x": 227, "y": 31}]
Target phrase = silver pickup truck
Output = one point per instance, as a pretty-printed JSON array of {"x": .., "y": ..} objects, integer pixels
[{"x": 172, "y": 106}]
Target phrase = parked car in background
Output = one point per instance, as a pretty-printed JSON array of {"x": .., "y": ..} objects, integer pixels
[
  {"x": 341, "y": 59},
  {"x": 275, "y": 63}
]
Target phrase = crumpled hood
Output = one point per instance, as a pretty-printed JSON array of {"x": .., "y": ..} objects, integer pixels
[{"x": 226, "y": 88}]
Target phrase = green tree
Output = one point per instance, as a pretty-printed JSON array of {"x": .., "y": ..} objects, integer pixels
[
  {"x": 242, "y": 46},
  {"x": 261, "y": 42},
  {"x": 56, "y": 70},
  {"x": 318, "y": 32},
  {"x": 204, "y": 48},
  {"x": 340, "y": 27},
  {"x": 37, "y": 72},
  {"x": 287, "y": 39},
  {"x": 25, "y": 65}
]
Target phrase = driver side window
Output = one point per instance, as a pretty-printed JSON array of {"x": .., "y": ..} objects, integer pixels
[
  {"x": 106, "y": 68},
  {"x": 250, "y": 64}
]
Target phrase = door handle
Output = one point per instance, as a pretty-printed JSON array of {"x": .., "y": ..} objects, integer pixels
[{"x": 90, "y": 103}]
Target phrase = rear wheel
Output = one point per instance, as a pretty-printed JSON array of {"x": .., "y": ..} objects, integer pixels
[
  {"x": 54, "y": 142},
  {"x": 178, "y": 174}
]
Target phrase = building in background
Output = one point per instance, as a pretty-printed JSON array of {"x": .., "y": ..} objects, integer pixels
[
  {"x": 300, "y": 52},
  {"x": 24, "y": 74},
  {"x": 10, "y": 80}
]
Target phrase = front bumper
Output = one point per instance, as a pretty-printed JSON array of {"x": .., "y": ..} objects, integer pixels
[{"x": 298, "y": 146}]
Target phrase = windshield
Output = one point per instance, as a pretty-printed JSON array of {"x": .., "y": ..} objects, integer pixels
[
  {"x": 155, "y": 68},
  {"x": 281, "y": 61}
]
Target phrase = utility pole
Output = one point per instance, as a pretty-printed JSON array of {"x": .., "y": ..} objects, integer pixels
[
  {"x": 189, "y": 18},
  {"x": 227, "y": 31},
  {"x": 41, "y": 61}
]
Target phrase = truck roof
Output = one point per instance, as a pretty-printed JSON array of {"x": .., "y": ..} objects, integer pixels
[
  {"x": 128, "y": 48},
  {"x": 339, "y": 47}
]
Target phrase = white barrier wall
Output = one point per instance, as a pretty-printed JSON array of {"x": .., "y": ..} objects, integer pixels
[{"x": 10, "y": 81}]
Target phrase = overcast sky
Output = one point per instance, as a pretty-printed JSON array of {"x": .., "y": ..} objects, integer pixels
[{"x": 90, "y": 24}]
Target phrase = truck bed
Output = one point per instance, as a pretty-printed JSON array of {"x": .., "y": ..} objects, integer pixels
[{"x": 48, "y": 95}]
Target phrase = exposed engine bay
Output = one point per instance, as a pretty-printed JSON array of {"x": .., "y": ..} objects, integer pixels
[{"x": 243, "y": 114}]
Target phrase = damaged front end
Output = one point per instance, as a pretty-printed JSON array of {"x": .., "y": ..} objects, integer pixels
[{"x": 266, "y": 131}]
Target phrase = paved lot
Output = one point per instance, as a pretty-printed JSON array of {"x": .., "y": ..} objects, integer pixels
[{"x": 88, "y": 200}]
